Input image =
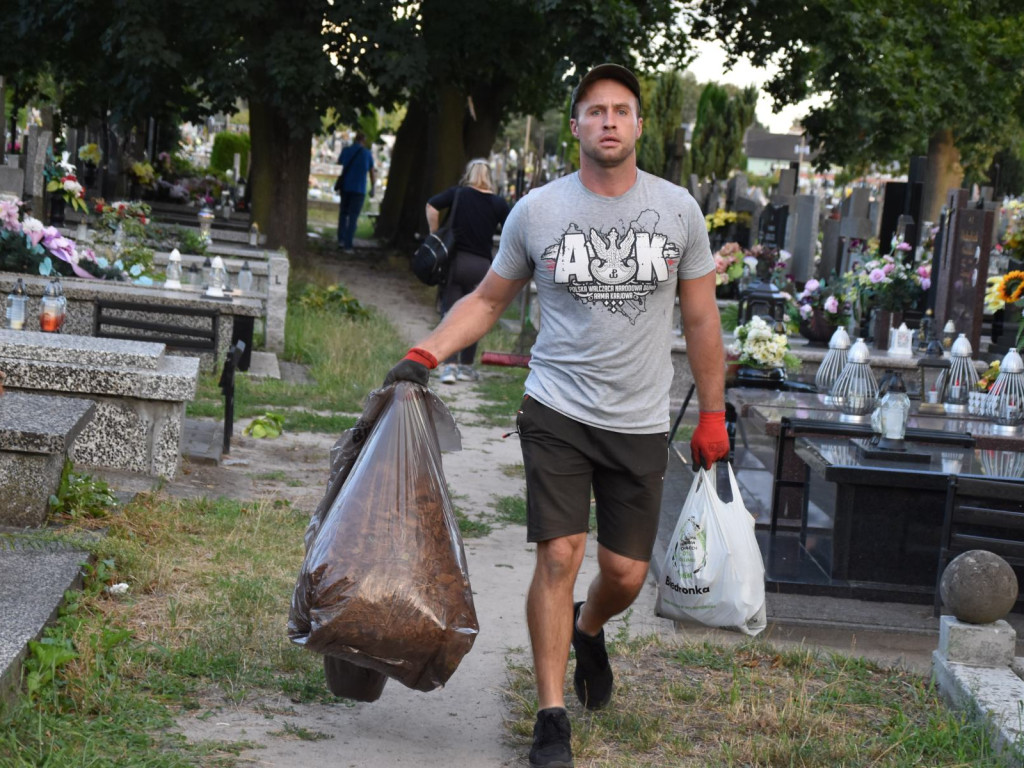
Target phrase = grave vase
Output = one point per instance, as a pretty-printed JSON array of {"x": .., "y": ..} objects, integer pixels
[
  {"x": 57, "y": 206},
  {"x": 817, "y": 328}
]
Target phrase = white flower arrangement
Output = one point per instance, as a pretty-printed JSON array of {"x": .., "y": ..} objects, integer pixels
[{"x": 759, "y": 346}]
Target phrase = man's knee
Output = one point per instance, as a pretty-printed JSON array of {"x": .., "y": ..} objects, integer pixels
[
  {"x": 560, "y": 558},
  {"x": 626, "y": 574}
]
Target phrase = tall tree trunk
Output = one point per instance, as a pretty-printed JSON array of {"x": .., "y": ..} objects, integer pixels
[
  {"x": 943, "y": 173},
  {"x": 427, "y": 157},
  {"x": 481, "y": 127},
  {"x": 448, "y": 139},
  {"x": 410, "y": 164},
  {"x": 279, "y": 176}
]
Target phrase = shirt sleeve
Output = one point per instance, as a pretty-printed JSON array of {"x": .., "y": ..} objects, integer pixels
[
  {"x": 443, "y": 200},
  {"x": 696, "y": 260},
  {"x": 513, "y": 260}
]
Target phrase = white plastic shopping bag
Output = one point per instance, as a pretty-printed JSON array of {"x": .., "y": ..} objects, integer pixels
[{"x": 713, "y": 573}]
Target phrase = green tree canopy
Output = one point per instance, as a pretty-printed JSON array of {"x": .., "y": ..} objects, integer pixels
[
  {"x": 660, "y": 147},
  {"x": 897, "y": 77},
  {"x": 722, "y": 120}
]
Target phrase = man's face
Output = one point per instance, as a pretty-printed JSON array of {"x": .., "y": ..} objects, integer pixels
[{"x": 607, "y": 123}]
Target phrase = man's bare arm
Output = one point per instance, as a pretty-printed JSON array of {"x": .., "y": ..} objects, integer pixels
[
  {"x": 472, "y": 316},
  {"x": 702, "y": 327}
]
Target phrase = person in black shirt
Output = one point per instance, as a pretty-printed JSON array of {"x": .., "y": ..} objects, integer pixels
[{"x": 477, "y": 216}]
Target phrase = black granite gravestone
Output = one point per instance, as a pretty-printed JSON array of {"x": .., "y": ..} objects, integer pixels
[
  {"x": 771, "y": 228},
  {"x": 961, "y": 278}
]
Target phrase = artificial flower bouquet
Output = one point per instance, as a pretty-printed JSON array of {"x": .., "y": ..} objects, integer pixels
[
  {"x": 759, "y": 346},
  {"x": 90, "y": 154},
  {"x": 829, "y": 298},
  {"x": 766, "y": 262},
  {"x": 888, "y": 282},
  {"x": 29, "y": 246},
  {"x": 142, "y": 173},
  {"x": 1012, "y": 243},
  {"x": 728, "y": 264},
  {"x": 62, "y": 179}
]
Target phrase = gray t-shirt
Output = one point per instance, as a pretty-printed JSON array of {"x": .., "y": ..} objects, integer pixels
[{"x": 606, "y": 271}]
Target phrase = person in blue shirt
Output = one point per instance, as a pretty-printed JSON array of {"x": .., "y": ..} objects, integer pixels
[{"x": 356, "y": 161}]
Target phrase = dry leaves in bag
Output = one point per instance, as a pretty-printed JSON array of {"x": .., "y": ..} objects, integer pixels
[{"x": 384, "y": 583}]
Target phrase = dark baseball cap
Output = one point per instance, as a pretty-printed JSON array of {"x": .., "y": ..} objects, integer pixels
[{"x": 606, "y": 72}]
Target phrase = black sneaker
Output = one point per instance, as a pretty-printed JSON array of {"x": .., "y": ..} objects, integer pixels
[
  {"x": 552, "y": 736},
  {"x": 593, "y": 678}
]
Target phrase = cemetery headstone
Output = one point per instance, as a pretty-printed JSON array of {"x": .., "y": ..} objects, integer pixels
[
  {"x": 12, "y": 181},
  {"x": 854, "y": 223},
  {"x": 805, "y": 237},
  {"x": 694, "y": 187},
  {"x": 771, "y": 229},
  {"x": 830, "y": 247},
  {"x": 961, "y": 279},
  {"x": 35, "y": 159},
  {"x": 746, "y": 225},
  {"x": 894, "y": 195},
  {"x": 788, "y": 178},
  {"x": 735, "y": 189}
]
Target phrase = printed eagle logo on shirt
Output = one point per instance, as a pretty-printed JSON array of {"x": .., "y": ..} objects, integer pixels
[{"x": 612, "y": 270}]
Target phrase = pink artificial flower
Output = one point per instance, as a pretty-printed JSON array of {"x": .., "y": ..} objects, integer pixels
[
  {"x": 888, "y": 268},
  {"x": 811, "y": 285},
  {"x": 903, "y": 247},
  {"x": 806, "y": 310},
  {"x": 924, "y": 271},
  {"x": 926, "y": 283},
  {"x": 832, "y": 305},
  {"x": 9, "y": 214},
  {"x": 876, "y": 276},
  {"x": 33, "y": 229}
]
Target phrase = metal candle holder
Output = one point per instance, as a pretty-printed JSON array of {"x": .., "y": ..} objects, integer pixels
[
  {"x": 835, "y": 360},
  {"x": 856, "y": 391},
  {"x": 1006, "y": 396},
  {"x": 962, "y": 378}
]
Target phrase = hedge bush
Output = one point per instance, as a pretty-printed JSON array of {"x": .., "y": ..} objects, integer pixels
[{"x": 225, "y": 146}]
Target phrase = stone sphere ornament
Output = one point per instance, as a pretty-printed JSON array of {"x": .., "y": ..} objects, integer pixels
[{"x": 978, "y": 587}]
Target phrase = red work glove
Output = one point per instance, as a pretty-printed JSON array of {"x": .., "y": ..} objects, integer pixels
[
  {"x": 710, "y": 441},
  {"x": 415, "y": 366}
]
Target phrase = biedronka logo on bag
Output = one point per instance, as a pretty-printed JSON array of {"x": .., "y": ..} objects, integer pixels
[{"x": 689, "y": 556}]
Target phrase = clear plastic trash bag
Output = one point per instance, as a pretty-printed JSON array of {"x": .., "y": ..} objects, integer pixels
[{"x": 384, "y": 583}]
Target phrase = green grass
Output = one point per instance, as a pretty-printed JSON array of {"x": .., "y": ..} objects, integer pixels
[
  {"x": 751, "y": 704},
  {"x": 347, "y": 355},
  {"x": 209, "y": 582},
  {"x": 510, "y": 510}
]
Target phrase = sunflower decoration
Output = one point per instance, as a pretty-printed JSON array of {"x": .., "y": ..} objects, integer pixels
[
  {"x": 1011, "y": 290},
  {"x": 1011, "y": 286}
]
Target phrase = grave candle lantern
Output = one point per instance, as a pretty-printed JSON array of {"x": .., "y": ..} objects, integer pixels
[
  {"x": 218, "y": 278},
  {"x": 855, "y": 391},
  {"x": 245, "y": 277},
  {"x": 962, "y": 378},
  {"x": 1006, "y": 396},
  {"x": 890, "y": 418},
  {"x": 834, "y": 362},
  {"x": 205, "y": 224},
  {"x": 173, "y": 270}
]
